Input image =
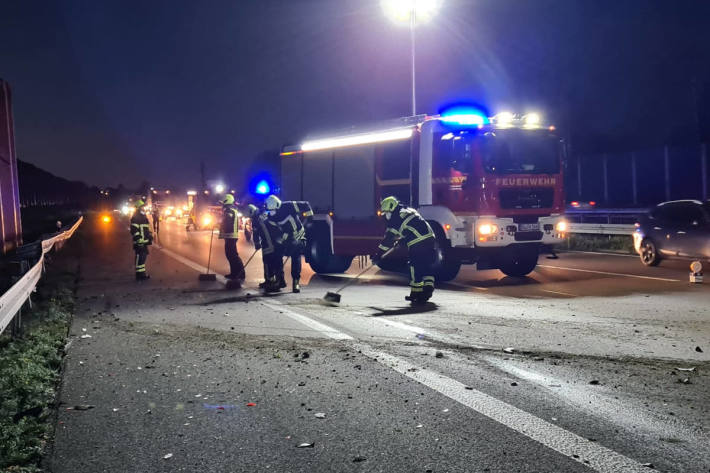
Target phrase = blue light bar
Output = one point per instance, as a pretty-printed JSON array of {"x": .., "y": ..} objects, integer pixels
[
  {"x": 263, "y": 187},
  {"x": 464, "y": 115}
]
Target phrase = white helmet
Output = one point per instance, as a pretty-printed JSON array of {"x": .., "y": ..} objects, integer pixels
[{"x": 273, "y": 202}]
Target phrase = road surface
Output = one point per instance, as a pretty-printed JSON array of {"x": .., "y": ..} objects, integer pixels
[{"x": 593, "y": 363}]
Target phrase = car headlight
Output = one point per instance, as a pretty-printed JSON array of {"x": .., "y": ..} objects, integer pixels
[
  {"x": 487, "y": 229},
  {"x": 561, "y": 226}
]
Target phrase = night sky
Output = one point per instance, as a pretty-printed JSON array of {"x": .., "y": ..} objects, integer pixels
[{"x": 123, "y": 91}]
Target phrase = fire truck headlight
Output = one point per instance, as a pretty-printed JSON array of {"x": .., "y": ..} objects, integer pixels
[
  {"x": 561, "y": 226},
  {"x": 206, "y": 221},
  {"x": 487, "y": 229},
  {"x": 504, "y": 119}
]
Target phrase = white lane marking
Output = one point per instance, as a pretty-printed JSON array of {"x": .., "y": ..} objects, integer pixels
[
  {"x": 188, "y": 262},
  {"x": 465, "y": 286},
  {"x": 326, "y": 330},
  {"x": 600, "y": 253},
  {"x": 559, "y": 292},
  {"x": 601, "y": 459},
  {"x": 608, "y": 273}
]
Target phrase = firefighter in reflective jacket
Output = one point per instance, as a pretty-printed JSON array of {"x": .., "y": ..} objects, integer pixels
[
  {"x": 142, "y": 238},
  {"x": 229, "y": 232},
  {"x": 289, "y": 216},
  {"x": 265, "y": 234},
  {"x": 406, "y": 225}
]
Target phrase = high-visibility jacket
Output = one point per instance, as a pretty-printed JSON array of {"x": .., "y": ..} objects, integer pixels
[
  {"x": 406, "y": 224},
  {"x": 289, "y": 217},
  {"x": 140, "y": 229},
  {"x": 229, "y": 228},
  {"x": 265, "y": 232}
]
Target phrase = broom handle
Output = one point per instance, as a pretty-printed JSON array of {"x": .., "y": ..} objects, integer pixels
[
  {"x": 353, "y": 280},
  {"x": 209, "y": 257},
  {"x": 250, "y": 258}
]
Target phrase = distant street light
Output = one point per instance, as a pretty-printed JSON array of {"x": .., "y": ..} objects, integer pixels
[
  {"x": 219, "y": 188},
  {"x": 412, "y": 11}
]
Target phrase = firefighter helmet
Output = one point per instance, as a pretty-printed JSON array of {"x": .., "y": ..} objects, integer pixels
[
  {"x": 389, "y": 204},
  {"x": 253, "y": 210},
  {"x": 228, "y": 199},
  {"x": 139, "y": 203},
  {"x": 273, "y": 202}
]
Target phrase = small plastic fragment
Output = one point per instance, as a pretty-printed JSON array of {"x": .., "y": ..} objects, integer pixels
[
  {"x": 320, "y": 415},
  {"x": 86, "y": 335},
  {"x": 306, "y": 445},
  {"x": 509, "y": 349},
  {"x": 168, "y": 456},
  {"x": 251, "y": 404}
]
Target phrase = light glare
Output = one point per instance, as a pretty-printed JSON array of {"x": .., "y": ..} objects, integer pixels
[
  {"x": 401, "y": 11},
  {"x": 354, "y": 140}
]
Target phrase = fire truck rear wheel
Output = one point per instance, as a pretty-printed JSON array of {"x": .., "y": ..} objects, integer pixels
[
  {"x": 520, "y": 263},
  {"x": 321, "y": 259}
]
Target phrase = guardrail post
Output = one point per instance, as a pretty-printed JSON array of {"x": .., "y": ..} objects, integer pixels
[
  {"x": 634, "y": 189},
  {"x": 667, "y": 167}
]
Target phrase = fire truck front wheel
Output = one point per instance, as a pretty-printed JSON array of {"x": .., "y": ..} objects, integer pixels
[
  {"x": 447, "y": 266},
  {"x": 519, "y": 263}
]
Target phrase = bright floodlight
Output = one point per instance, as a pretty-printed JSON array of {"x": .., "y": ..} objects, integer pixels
[
  {"x": 532, "y": 120},
  {"x": 219, "y": 188},
  {"x": 402, "y": 10},
  {"x": 504, "y": 119}
]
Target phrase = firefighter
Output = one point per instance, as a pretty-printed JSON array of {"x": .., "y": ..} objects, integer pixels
[
  {"x": 229, "y": 232},
  {"x": 406, "y": 225},
  {"x": 289, "y": 216},
  {"x": 265, "y": 232},
  {"x": 142, "y": 239},
  {"x": 155, "y": 213}
]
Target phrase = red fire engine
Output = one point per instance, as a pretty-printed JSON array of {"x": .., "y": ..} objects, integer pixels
[{"x": 491, "y": 188}]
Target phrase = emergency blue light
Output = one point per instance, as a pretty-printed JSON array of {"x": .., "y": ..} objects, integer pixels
[
  {"x": 464, "y": 115},
  {"x": 262, "y": 187}
]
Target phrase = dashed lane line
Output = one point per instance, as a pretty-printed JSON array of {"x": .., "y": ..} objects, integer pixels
[
  {"x": 601, "y": 459},
  {"x": 608, "y": 273}
]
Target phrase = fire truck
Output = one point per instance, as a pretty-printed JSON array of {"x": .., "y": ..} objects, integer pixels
[{"x": 490, "y": 187}]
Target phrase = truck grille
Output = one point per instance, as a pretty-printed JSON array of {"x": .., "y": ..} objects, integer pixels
[{"x": 526, "y": 199}]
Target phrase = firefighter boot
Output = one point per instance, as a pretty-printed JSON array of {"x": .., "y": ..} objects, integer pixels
[
  {"x": 428, "y": 292},
  {"x": 272, "y": 285},
  {"x": 296, "y": 286}
]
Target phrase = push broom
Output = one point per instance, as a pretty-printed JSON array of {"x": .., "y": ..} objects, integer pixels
[{"x": 334, "y": 297}]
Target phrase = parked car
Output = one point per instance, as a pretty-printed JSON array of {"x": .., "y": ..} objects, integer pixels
[{"x": 676, "y": 229}]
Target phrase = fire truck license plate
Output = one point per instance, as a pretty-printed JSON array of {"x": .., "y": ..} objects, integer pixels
[{"x": 527, "y": 227}]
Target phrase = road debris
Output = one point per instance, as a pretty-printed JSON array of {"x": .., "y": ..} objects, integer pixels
[
  {"x": 594, "y": 382},
  {"x": 251, "y": 404},
  {"x": 686, "y": 369},
  {"x": 168, "y": 456},
  {"x": 320, "y": 415},
  {"x": 86, "y": 335},
  {"x": 81, "y": 407},
  {"x": 698, "y": 349},
  {"x": 359, "y": 459},
  {"x": 509, "y": 349},
  {"x": 439, "y": 354},
  {"x": 306, "y": 445}
]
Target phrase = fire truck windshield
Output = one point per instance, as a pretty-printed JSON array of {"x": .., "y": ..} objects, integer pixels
[{"x": 510, "y": 151}]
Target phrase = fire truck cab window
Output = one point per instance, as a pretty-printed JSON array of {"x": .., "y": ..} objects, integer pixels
[
  {"x": 520, "y": 151},
  {"x": 501, "y": 151}
]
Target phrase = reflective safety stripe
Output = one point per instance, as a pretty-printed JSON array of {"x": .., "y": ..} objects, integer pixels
[
  {"x": 421, "y": 238},
  {"x": 405, "y": 222},
  {"x": 416, "y": 289},
  {"x": 392, "y": 230},
  {"x": 412, "y": 279},
  {"x": 383, "y": 247},
  {"x": 428, "y": 281}
]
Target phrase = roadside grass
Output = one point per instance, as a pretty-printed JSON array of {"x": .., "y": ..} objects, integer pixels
[
  {"x": 610, "y": 243},
  {"x": 30, "y": 374}
]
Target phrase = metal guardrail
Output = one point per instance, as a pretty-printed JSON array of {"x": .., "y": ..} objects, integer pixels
[
  {"x": 12, "y": 300},
  {"x": 602, "y": 228},
  {"x": 604, "y": 221}
]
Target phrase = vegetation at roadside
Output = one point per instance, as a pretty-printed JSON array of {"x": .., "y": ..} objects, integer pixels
[
  {"x": 612, "y": 243},
  {"x": 30, "y": 373}
]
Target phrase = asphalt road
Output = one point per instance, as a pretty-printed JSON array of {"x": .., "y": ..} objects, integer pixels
[{"x": 601, "y": 369}]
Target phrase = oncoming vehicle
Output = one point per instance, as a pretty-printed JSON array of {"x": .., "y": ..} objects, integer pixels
[
  {"x": 678, "y": 229},
  {"x": 491, "y": 188}
]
